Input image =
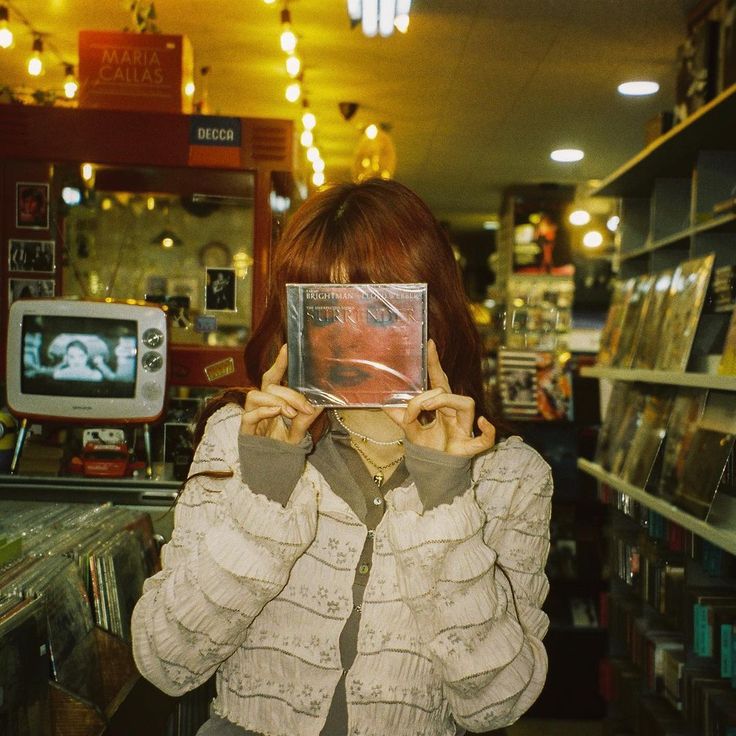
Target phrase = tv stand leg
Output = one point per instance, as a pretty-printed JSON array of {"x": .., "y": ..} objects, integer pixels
[
  {"x": 19, "y": 442},
  {"x": 147, "y": 445}
]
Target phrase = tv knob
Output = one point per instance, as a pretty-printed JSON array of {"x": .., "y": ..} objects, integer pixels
[
  {"x": 152, "y": 361},
  {"x": 153, "y": 337}
]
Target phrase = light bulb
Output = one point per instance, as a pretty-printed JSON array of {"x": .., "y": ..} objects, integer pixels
[
  {"x": 613, "y": 223},
  {"x": 371, "y": 132},
  {"x": 318, "y": 178},
  {"x": 306, "y": 138},
  {"x": 167, "y": 242},
  {"x": 386, "y": 17},
  {"x": 88, "y": 172},
  {"x": 639, "y": 88},
  {"x": 6, "y": 35},
  {"x": 318, "y": 164},
  {"x": 189, "y": 89},
  {"x": 70, "y": 83},
  {"x": 293, "y": 65},
  {"x": 402, "y": 23},
  {"x": 293, "y": 92},
  {"x": 288, "y": 39},
  {"x": 370, "y": 18},
  {"x": 309, "y": 120},
  {"x": 35, "y": 63},
  {"x": 312, "y": 154}
]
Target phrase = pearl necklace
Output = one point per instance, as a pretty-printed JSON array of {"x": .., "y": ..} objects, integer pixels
[{"x": 364, "y": 437}]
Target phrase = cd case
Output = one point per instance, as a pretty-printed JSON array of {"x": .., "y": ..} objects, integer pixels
[{"x": 357, "y": 344}]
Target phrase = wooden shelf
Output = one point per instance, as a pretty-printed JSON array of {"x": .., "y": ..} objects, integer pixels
[
  {"x": 722, "y": 538},
  {"x": 670, "y": 378},
  {"x": 722, "y": 223},
  {"x": 673, "y": 154}
]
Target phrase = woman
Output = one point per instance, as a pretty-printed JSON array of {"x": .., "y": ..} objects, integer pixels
[{"x": 326, "y": 600}]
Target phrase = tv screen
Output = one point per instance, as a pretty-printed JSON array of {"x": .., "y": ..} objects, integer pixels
[
  {"x": 87, "y": 360},
  {"x": 83, "y": 356}
]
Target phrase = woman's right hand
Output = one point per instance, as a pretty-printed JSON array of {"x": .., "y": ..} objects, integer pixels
[{"x": 278, "y": 411}]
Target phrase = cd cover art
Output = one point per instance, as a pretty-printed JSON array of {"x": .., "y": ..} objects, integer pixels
[{"x": 357, "y": 344}]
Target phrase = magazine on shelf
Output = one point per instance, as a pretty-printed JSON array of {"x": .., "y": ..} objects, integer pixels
[
  {"x": 687, "y": 409},
  {"x": 649, "y": 333},
  {"x": 648, "y": 436},
  {"x": 357, "y": 344},
  {"x": 687, "y": 295}
]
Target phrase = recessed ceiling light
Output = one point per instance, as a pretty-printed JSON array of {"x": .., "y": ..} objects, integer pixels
[
  {"x": 638, "y": 88},
  {"x": 491, "y": 225},
  {"x": 579, "y": 217},
  {"x": 592, "y": 239},
  {"x": 566, "y": 155}
]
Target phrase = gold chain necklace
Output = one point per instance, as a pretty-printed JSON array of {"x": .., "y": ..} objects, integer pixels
[{"x": 378, "y": 476}]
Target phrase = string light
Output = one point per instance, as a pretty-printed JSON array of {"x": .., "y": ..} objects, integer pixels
[
  {"x": 309, "y": 120},
  {"x": 293, "y": 92},
  {"x": 307, "y": 138},
  {"x": 293, "y": 65},
  {"x": 6, "y": 35},
  {"x": 70, "y": 83},
  {"x": 288, "y": 38},
  {"x": 35, "y": 62}
]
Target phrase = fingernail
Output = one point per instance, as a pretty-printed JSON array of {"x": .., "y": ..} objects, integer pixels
[{"x": 290, "y": 411}]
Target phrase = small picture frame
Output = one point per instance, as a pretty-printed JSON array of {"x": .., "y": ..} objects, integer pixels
[
  {"x": 31, "y": 255},
  {"x": 219, "y": 295},
  {"x": 30, "y": 289},
  {"x": 32, "y": 205}
]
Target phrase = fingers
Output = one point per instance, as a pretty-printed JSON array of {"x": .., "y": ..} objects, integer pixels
[
  {"x": 462, "y": 408},
  {"x": 275, "y": 374},
  {"x": 437, "y": 377},
  {"x": 416, "y": 405}
]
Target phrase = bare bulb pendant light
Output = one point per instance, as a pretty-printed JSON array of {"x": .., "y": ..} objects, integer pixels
[{"x": 379, "y": 16}]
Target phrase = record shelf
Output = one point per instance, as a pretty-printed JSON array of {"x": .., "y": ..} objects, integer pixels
[{"x": 669, "y": 565}]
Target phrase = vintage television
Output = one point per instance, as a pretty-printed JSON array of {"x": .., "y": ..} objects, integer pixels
[{"x": 85, "y": 361}]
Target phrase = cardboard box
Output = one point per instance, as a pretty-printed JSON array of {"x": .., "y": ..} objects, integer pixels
[{"x": 135, "y": 71}]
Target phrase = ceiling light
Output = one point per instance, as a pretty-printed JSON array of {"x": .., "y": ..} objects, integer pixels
[
  {"x": 312, "y": 154},
  {"x": 491, "y": 225},
  {"x": 189, "y": 89},
  {"x": 306, "y": 138},
  {"x": 318, "y": 178},
  {"x": 592, "y": 239},
  {"x": 638, "y": 88},
  {"x": 288, "y": 39},
  {"x": 567, "y": 155},
  {"x": 371, "y": 131},
  {"x": 613, "y": 222},
  {"x": 70, "y": 83},
  {"x": 579, "y": 217},
  {"x": 167, "y": 239},
  {"x": 6, "y": 35},
  {"x": 379, "y": 16},
  {"x": 35, "y": 62},
  {"x": 318, "y": 164}
]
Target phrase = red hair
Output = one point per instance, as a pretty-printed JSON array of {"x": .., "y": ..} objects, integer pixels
[{"x": 377, "y": 231}]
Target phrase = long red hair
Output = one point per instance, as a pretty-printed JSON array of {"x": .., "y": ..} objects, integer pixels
[{"x": 377, "y": 231}]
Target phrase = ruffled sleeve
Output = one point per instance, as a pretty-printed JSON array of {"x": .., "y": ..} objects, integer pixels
[
  {"x": 472, "y": 572},
  {"x": 230, "y": 553}
]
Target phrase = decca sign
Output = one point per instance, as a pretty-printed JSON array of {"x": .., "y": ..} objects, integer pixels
[{"x": 134, "y": 71}]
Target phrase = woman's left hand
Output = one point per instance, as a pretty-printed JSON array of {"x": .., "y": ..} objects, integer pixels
[{"x": 451, "y": 430}]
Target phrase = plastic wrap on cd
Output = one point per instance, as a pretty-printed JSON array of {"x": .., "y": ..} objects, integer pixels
[{"x": 357, "y": 344}]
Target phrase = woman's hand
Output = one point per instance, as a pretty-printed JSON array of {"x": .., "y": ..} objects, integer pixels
[
  {"x": 277, "y": 411},
  {"x": 451, "y": 430}
]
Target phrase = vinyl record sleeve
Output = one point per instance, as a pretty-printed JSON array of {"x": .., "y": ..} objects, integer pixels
[
  {"x": 357, "y": 344},
  {"x": 686, "y": 299},
  {"x": 649, "y": 331}
]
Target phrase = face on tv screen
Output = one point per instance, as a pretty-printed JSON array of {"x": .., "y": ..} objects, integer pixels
[{"x": 79, "y": 356}]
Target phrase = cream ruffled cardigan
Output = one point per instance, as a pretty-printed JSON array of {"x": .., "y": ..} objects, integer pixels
[{"x": 259, "y": 593}]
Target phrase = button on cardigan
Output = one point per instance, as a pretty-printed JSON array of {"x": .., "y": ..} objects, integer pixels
[{"x": 451, "y": 623}]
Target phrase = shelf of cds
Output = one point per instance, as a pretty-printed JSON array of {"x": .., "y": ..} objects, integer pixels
[{"x": 664, "y": 459}]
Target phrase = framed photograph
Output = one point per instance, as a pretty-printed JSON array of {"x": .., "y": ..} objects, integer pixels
[
  {"x": 30, "y": 289},
  {"x": 32, "y": 205},
  {"x": 219, "y": 295},
  {"x": 31, "y": 255}
]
